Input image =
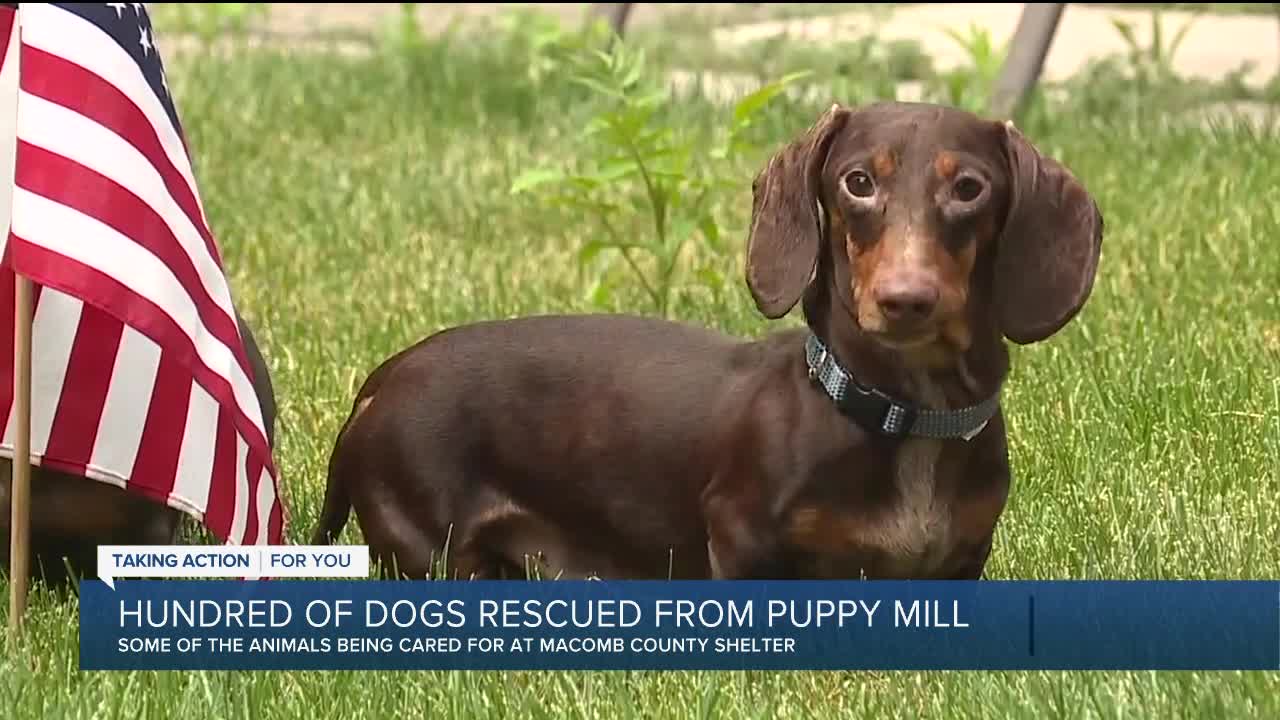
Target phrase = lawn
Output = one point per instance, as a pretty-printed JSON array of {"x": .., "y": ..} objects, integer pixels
[{"x": 364, "y": 202}]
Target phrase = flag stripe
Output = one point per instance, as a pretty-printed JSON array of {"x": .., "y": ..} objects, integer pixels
[
  {"x": 196, "y": 457},
  {"x": 8, "y": 299},
  {"x": 56, "y": 31},
  {"x": 266, "y": 499},
  {"x": 60, "y": 180},
  {"x": 253, "y": 474},
  {"x": 82, "y": 279},
  {"x": 60, "y": 313},
  {"x": 9, "y": 86},
  {"x": 8, "y": 14},
  {"x": 124, "y": 411},
  {"x": 241, "y": 486},
  {"x": 88, "y": 380},
  {"x": 156, "y": 465},
  {"x": 275, "y": 524},
  {"x": 220, "y": 503},
  {"x": 57, "y": 114},
  {"x": 145, "y": 291}
]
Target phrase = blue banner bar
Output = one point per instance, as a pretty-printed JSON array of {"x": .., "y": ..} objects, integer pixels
[{"x": 558, "y": 625}]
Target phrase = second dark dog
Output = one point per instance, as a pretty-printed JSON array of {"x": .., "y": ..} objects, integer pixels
[{"x": 868, "y": 444}]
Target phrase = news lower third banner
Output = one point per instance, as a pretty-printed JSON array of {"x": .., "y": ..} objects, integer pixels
[{"x": 361, "y": 624}]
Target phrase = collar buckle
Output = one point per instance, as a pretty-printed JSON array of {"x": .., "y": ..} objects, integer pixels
[
  {"x": 898, "y": 419},
  {"x": 974, "y": 432},
  {"x": 875, "y": 410}
]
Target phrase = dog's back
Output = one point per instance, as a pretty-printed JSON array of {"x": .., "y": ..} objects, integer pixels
[{"x": 545, "y": 418}]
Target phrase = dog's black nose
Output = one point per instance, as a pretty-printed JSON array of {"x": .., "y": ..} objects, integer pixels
[{"x": 905, "y": 300}]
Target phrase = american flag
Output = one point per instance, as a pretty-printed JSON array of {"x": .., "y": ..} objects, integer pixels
[{"x": 139, "y": 375}]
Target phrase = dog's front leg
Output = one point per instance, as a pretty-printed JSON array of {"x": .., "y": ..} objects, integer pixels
[
  {"x": 742, "y": 541},
  {"x": 974, "y": 567}
]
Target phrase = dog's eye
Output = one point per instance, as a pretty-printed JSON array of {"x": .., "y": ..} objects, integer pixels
[
  {"x": 860, "y": 184},
  {"x": 967, "y": 189}
]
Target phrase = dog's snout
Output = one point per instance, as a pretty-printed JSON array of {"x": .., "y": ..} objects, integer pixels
[{"x": 906, "y": 299}]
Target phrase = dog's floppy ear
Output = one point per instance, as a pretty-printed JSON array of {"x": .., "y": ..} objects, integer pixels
[
  {"x": 1048, "y": 252},
  {"x": 785, "y": 235}
]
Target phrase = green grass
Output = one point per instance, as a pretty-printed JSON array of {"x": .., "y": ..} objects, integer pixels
[{"x": 362, "y": 204}]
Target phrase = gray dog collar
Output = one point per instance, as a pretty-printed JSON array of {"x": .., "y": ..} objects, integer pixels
[{"x": 877, "y": 412}]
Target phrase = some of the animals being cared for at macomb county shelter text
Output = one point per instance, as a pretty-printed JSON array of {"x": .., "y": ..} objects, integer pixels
[{"x": 869, "y": 443}]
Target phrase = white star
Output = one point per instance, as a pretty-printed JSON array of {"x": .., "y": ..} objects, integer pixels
[
  {"x": 164, "y": 80},
  {"x": 144, "y": 41},
  {"x": 137, "y": 7},
  {"x": 119, "y": 8}
]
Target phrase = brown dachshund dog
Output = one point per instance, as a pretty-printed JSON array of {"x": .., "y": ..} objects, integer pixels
[
  {"x": 71, "y": 515},
  {"x": 868, "y": 444}
]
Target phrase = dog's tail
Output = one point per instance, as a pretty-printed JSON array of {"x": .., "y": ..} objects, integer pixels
[
  {"x": 335, "y": 511},
  {"x": 337, "y": 499}
]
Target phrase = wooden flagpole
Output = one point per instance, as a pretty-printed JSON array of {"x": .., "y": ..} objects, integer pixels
[{"x": 20, "y": 491}]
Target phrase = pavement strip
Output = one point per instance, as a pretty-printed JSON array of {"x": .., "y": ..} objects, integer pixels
[{"x": 1214, "y": 45}]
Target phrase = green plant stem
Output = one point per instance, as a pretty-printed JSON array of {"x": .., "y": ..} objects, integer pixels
[
  {"x": 669, "y": 272},
  {"x": 659, "y": 209},
  {"x": 659, "y": 220},
  {"x": 625, "y": 250},
  {"x": 648, "y": 287}
]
